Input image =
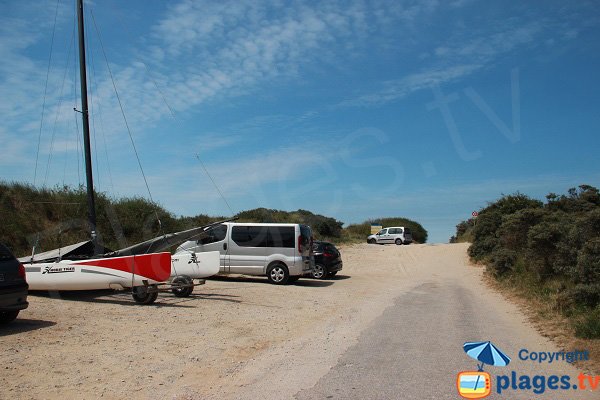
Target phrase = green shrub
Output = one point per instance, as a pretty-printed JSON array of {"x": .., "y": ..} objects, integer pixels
[
  {"x": 323, "y": 227},
  {"x": 585, "y": 295},
  {"x": 588, "y": 262},
  {"x": 588, "y": 327},
  {"x": 551, "y": 249},
  {"x": 362, "y": 230},
  {"x": 502, "y": 261},
  {"x": 515, "y": 227},
  {"x": 482, "y": 248}
]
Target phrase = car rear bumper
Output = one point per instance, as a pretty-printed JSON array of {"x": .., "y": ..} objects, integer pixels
[
  {"x": 335, "y": 267},
  {"x": 13, "y": 299}
]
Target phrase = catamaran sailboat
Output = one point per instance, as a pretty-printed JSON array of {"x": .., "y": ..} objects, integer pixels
[{"x": 142, "y": 267}]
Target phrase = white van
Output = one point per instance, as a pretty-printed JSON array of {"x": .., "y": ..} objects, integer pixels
[
  {"x": 394, "y": 234},
  {"x": 282, "y": 252}
]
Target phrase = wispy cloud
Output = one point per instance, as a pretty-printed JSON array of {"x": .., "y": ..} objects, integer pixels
[
  {"x": 466, "y": 52},
  {"x": 397, "y": 89}
]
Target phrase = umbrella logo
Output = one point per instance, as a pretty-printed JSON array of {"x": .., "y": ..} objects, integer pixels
[{"x": 478, "y": 384}]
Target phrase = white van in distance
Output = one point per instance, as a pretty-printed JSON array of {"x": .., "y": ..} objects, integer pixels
[
  {"x": 282, "y": 252},
  {"x": 395, "y": 234}
]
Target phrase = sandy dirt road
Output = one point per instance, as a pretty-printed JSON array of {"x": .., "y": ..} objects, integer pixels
[{"x": 242, "y": 338}]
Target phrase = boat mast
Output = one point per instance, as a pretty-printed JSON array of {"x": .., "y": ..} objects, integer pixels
[{"x": 86, "y": 124}]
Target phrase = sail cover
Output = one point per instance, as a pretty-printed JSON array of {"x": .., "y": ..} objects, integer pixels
[
  {"x": 88, "y": 249},
  {"x": 162, "y": 243},
  {"x": 85, "y": 249}
]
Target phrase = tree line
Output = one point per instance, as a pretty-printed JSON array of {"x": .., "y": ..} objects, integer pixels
[{"x": 54, "y": 217}]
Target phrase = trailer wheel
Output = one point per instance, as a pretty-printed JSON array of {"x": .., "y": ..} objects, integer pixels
[
  {"x": 142, "y": 296},
  {"x": 182, "y": 291}
]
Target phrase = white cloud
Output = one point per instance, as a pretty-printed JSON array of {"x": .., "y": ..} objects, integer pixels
[
  {"x": 467, "y": 51},
  {"x": 397, "y": 89}
]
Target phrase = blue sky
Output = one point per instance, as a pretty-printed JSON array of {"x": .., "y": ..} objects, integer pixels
[{"x": 351, "y": 109}]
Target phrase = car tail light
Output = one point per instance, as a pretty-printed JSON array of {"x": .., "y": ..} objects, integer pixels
[
  {"x": 300, "y": 244},
  {"x": 328, "y": 255},
  {"x": 22, "y": 271}
]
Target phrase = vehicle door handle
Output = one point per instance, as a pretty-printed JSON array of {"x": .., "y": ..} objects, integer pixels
[{"x": 224, "y": 246}]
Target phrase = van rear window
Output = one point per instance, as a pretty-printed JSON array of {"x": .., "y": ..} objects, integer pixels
[{"x": 281, "y": 236}]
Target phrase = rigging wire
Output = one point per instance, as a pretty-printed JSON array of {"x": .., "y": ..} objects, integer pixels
[
  {"x": 172, "y": 114},
  {"x": 45, "y": 93},
  {"x": 74, "y": 97},
  {"x": 97, "y": 106},
  {"x": 214, "y": 183},
  {"x": 125, "y": 119},
  {"x": 60, "y": 102}
]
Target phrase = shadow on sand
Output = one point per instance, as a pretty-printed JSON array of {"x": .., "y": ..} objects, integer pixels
[
  {"x": 21, "y": 325},
  {"x": 305, "y": 281},
  {"x": 108, "y": 297}
]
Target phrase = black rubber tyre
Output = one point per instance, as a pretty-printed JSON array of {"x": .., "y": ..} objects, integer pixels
[
  {"x": 8, "y": 316},
  {"x": 142, "y": 296},
  {"x": 182, "y": 291},
  {"x": 398, "y": 242},
  {"x": 319, "y": 271},
  {"x": 278, "y": 274},
  {"x": 371, "y": 241}
]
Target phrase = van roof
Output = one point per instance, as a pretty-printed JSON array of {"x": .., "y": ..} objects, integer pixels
[{"x": 260, "y": 224}]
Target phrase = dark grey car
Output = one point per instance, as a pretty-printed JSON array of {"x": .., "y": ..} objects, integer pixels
[{"x": 13, "y": 286}]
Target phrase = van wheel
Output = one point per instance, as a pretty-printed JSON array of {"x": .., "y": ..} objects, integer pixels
[
  {"x": 318, "y": 272},
  {"x": 278, "y": 274},
  {"x": 371, "y": 241},
  {"x": 142, "y": 296},
  {"x": 182, "y": 291},
  {"x": 398, "y": 241}
]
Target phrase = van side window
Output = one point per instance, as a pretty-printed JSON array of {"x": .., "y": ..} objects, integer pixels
[
  {"x": 215, "y": 234},
  {"x": 249, "y": 236},
  {"x": 281, "y": 236}
]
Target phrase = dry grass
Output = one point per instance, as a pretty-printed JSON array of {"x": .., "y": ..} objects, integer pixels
[{"x": 548, "y": 321}]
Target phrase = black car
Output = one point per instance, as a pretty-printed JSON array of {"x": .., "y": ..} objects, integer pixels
[
  {"x": 13, "y": 286},
  {"x": 328, "y": 260}
]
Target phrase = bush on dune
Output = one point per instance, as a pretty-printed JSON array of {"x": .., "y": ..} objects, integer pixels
[{"x": 556, "y": 243}]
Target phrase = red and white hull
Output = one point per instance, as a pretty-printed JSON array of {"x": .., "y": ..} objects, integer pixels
[{"x": 101, "y": 273}]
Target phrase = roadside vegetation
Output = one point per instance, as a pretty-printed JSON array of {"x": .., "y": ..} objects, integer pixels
[
  {"x": 51, "y": 218},
  {"x": 358, "y": 232},
  {"x": 549, "y": 252}
]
